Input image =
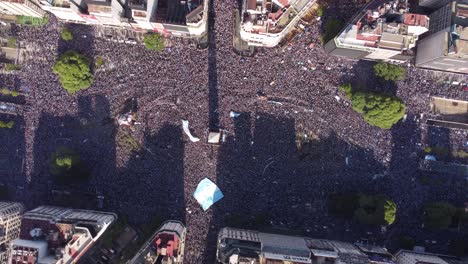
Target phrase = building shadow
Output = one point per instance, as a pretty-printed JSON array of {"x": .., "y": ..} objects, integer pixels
[
  {"x": 12, "y": 83},
  {"x": 12, "y": 159},
  {"x": 151, "y": 184},
  {"x": 83, "y": 42},
  {"x": 212, "y": 70},
  {"x": 438, "y": 141},
  {"x": 273, "y": 185},
  {"x": 88, "y": 133},
  {"x": 362, "y": 78},
  {"x": 403, "y": 182}
]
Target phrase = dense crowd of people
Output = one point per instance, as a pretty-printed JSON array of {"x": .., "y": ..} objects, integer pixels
[{"x": 281, "y": 95}]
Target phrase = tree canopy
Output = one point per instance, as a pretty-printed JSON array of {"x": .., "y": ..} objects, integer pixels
[
  {"x": 375, "y": 210},
  {"x": 366, "y": 209},
  {"x": 378, "y": 109},
  {"x": 9, "y": 124},
  {"x": 66, "y": 166},
  {"x": 74, "y": 72},
  {"x": 66, "y": 34},
  {"x": 153, "y": 41},
  {"x": 389, "y": 72},
  {"x": 439, "y": 215}
]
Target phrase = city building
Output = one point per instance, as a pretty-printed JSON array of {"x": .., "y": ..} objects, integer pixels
[
  {"x": 446, "y": 48},
  {"x": 433, "y": 4},
  {"x": 165, "y": 246},
  {"x": 55, "y": 235},
  {"x": 10, "y": 221},
  {"x": 21, "y": 8},
  {"x": 383, "y": 30},
  {"x": 187, "y": 19},
  {"x": 266, "y": 22},
  {"x": 246, "y": 246},
  {"x": 446, "y": 112},
  {"x": 413, "y": 257},
  {"x": 178, "y": 18}
]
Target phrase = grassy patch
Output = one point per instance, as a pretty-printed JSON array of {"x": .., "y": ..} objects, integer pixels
[
  {"x": 12, "y": 67},
  {"x": 5, "y": 91},
  {"x": 66, "y": 34},
  {"x": 99, "y": 62},
  {"x": 11, "y": 42},
  {"x": 126, "y": 141},
  {"x": 32, "y": 21},
  {"x": 154, "y": 42}
]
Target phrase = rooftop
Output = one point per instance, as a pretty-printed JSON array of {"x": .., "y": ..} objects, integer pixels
[
  {"x": 385, "y": 25},
  {"x": 237, "y": 243},
  {"x": 166, "y": 243},
  {"x": 458, "y": 37},
  {"x": 175, "y": 12},
  {"x": 58, "y": 234},
  {"x": 262, "y": 16}
]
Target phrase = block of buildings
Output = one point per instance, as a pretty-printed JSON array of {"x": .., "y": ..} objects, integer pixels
[
  {"x": 446, "y": 112},
  {"x": 188, "y": 19},
  {"x": 266, "y": 22},
  {"x": 446, "y": 47},
  {"x": 178, "y": 18},
  {"x": 55, "y": 235},
  {"x": 237, "y": 246},
  {"x": 412, "y": 257},
  {"x": 166, "y": 245},
  {"x": 21, "y": 8},
  {"x": 383, "y": 30},
  {"x": 433, "y": 4},
  {"x": 10, "y": 221}
]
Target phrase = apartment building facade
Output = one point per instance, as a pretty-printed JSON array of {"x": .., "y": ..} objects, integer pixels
[
  {"x": 237, "y": 246},
  {"x": 10, "y": 222}
]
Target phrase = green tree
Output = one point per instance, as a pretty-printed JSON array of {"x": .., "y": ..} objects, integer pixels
[
  {"x": 66, "y": 166},
  {"x": 99, "y": 62},
  {"x": 439, "y": 215},
  {"x": 66, "y": 34},
  {"x": 14, "y": 93},
  {"x": 378, "y": 109},
  {"x": 390, "y": 210},
  {"x": 9, "y": 124},
  {"x": 153, "y": 41},
  {"x": 73, "y": 71},
  {"x": 347, "y": 89},
  {"x": 389, "y": 72},
  {"x": 5, "y": 91},
  {"x": 375, "y": 210}
]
